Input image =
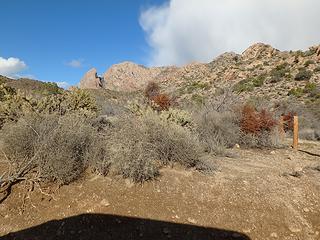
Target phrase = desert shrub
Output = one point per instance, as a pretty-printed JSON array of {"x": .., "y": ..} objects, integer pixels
[
  {"x": 303, "y": 74},
  {"x": 310, "y": 87},
  {"x": 308, "y": 62},
  {"x": 198, "y": 99},
  {"x": 261, "y": 140},
  {"x": 248, "y": 85},
  {"x": 51, "y": 88},
  {"x": 309, "y": 116},
  {"x": 152, "y": 89},
  {"x": 296, "y": 92},
  {"x": 97, "y": 156},
  {"x": 161, "y": 102},
  {"x": 177, "y": 116},
  {"x": 193, "y": 86},
  {"x": 255, "y": 122},
  {"x": 53, "y": 145},
  {"x": 79, "y": 100},
  {"x": 13, "y": 104},
  {"x": 279, "y": 72},
  {"x": 258, "y": 81},
  {"x": 158, "y": 101},
  {"x": 215, "y": 122},
  {"x": 61, "y": 156},
  {"x": 139, "y": 145},
  {"x": 224, "y": 100},
  {"x": 317, "y": 69},
  {"x": 73, "y": 101},
  {"x": 258, "y": 128},
  {"x": 244, "y": 86},
  {"x": 217, "y": 130}
]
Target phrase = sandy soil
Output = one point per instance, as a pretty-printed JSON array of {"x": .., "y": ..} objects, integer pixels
[{"x": 259, "y": 194}]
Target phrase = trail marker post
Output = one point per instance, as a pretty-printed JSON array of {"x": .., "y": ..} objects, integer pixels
[{"x": 295, "y": 132}]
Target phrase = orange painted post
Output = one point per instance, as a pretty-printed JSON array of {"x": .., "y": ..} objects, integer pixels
[
  {"x": 281, "y": 129},
  {"x": 295, "y": 132}
]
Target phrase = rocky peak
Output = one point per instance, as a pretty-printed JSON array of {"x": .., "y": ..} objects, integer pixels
[
  {"x": 259, "y": 50},
  {"x": 91, "y": 80},
  {"x": 128, "y": 76}
]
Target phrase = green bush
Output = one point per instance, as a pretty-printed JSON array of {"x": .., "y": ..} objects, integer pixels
[
  {"x": 308, "y": 62},
  {"x": 259, "y": 81},
  {"x": 193, "y": 86},
  {"x": 244, "y": 86},
  {"x": 279, "y": 72},
  {"x": 51, "y": 88},
  {"x": 303, "y": 74},
  {"x": 248, "y": 85},
  {"x": 310, "y": 87},
  {"x": 297, "y": 92},
  {"x": 317, "y": 69}
]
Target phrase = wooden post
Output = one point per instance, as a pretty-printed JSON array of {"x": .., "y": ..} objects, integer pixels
[{"x": 295, "y": 132}]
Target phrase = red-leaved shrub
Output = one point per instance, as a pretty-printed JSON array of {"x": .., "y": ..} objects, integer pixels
[
  {"x": 255, "y": 122},
  {"x": 162, "y": 101},
  {"x": 159, "y": 101}
]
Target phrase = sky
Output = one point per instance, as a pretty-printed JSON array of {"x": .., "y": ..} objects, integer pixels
[{"x": 59, "y": 40}]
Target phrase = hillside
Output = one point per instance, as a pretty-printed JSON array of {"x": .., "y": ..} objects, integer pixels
[
  {"x": 261, "y": 70},
  {"x": 31, "y": 87}
]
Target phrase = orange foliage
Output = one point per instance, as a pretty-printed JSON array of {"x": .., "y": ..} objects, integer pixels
[
  {"x": 256, "y": 122},
  {"x": 158, "y": 101},
  {"x": 162, "y": 101}
]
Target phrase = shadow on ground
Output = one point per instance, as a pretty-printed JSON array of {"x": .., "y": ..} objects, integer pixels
[{"x": 103, "y": 226}]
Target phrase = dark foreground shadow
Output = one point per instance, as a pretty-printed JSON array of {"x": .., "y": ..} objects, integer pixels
[{"x": 102, "y": 226}]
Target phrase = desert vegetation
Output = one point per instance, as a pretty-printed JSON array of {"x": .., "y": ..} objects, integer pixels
[{"x": 61, "y": 136}]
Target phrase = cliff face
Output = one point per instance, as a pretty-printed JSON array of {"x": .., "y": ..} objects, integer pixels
[
  {"x": 91, "y": 80},
  {"x": 261, "y": 69}
]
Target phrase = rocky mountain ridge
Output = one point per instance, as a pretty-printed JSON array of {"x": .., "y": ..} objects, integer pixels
[{"x": 261, "y": 68}]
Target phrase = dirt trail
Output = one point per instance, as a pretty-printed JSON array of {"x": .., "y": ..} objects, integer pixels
[{"x": 264, "y": 194}]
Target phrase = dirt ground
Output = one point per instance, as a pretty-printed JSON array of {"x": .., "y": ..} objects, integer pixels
[{"x": 258, "y": 194}]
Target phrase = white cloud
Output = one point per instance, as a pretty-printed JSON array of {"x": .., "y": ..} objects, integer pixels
[
  {"x": 76, "y": 63},
  {"x": 182, "y": 31},
  {"x": 64, "y": 85},
  {"x": 11, "y": 67}
]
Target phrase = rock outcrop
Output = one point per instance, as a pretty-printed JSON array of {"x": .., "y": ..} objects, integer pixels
[
  {"x": 128, "y": 76},
  {"x": 91, "y": 80},
  {"x": 259, "y": 50}
]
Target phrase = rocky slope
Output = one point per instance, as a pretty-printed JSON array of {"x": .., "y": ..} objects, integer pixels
[{"x": 261, "y": 69}]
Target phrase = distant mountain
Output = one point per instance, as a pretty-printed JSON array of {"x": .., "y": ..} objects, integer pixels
[{"x": 261, "y": 70}]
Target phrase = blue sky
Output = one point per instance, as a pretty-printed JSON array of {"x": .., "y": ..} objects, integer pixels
[{"x": 59, "y": 40}]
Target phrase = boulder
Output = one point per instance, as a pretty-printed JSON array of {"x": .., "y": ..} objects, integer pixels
[
  {"x": 128, "y": 76},
  {"x": 91, "y": 80}
]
